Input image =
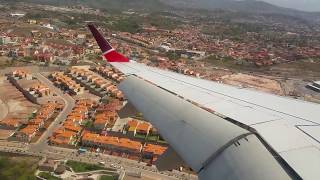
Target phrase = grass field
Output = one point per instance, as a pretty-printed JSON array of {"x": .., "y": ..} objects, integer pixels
[
  {"x": 83, "y": 167},
  {"x": 17, "y": 167},
  {"x": 153, "y": 138},
  {"x": 229, "y": 63},
  {"x": 140, "y": 136},
  {"x": 107, "y": 177}
]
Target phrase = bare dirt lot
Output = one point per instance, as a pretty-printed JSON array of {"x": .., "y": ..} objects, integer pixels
[
  {"x": 8, "y": 62},
  {"x": 256, "y": 82},
  {"x": 13, "y": 104},
  {"x": 5, "y": 134}
]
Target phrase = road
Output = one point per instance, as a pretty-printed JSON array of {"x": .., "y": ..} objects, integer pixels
[
  {"x": 69, "y": 103},
  {"x": 41, "y": 147},
  {"x": 91, "y": 157}
]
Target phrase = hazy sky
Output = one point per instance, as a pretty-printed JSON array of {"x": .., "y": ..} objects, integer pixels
[{"x": 306, "y": 5}]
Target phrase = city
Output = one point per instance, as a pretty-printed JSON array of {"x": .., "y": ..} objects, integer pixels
[{"x": 61, "y": 103}]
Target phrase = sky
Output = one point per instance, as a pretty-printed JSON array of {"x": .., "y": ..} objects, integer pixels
[{"x": 305, "y": 5}]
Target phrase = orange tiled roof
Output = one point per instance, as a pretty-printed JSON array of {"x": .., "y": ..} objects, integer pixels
[
  {"x": 30, "y": 129},
  {"x": 59, "y": 141},
  {"x": 144, "y": 127},
  {"x": 66, "y": 134},
  {"x": 133, "y": 123},
  {"x": 110, "y": 140},
  {"x": 10, "y": 122},
  {"x": 72, "y": 128},
  {"x": 155, "y": 149}
]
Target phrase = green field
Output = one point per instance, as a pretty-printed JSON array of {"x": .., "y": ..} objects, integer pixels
[
  {"x": 107, "y": 177},
  {"x": 140, "y": 136},
  {"x": 83, "y": 167},
  {"x": 17, "y": 167},
  {"x": 153, "y": 138}
]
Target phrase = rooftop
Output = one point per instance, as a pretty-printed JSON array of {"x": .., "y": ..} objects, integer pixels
[
  {"x": 111, "y": 140},
  {"x": 155, "y": 149},
  {"x": 144, "y": 127}
]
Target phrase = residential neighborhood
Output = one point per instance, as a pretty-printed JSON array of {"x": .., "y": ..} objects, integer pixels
[{"x": 66, "y": 111}]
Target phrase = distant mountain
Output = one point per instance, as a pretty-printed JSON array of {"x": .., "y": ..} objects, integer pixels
[
  {"x": 246, "y": 6},
  {"x": 233, "y": 5},
  {"x": 103, "y": 4}
]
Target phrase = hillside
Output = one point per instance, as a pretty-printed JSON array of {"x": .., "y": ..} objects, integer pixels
[
  {"x": 243, "y": 6},
  {"x": 103, "y": 4},
  {"x": 246, "y": 6}
]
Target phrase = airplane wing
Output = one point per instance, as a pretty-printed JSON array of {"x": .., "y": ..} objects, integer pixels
[{"x": 225, "y": 132}]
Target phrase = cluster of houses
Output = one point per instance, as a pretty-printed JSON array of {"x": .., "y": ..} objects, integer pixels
[
  {"x": 39, "y": 90},
  {"x": 134, "y": 127},
  {"x": 67, "y": 135},
  {"x": 110, "y": 73},
  {"x": 66, "y": 83},
  {"x": 152, "y": 151},
  {"x": 10, "y": 123},
  {"x": 21, "y": 74},
  {"x": 105, "y": 115},
  {"x": 122, "y": 145},
  {"x": 43, "y": 51},
  {"x": 95, "y": 83},
  {"x": 31, "y": 88},
  {"x": 178, "y": 66},
  {"x": 102, "y": 119},
  {"x": 38, "y": 121}
]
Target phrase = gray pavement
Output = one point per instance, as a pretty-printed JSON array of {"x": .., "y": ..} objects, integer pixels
[
  {"x": 120, "y": 123},
  {"x": 69, "y": 103},
  {"x": 90, "y": 157}
]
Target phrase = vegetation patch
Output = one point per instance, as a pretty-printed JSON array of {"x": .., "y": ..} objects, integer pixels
[
  {"x": 153, "y": 138},
  {"x": 128, "y": 24},
  {"x": 140, "y": 136},
  {"x": 83, "y": 167},
  {"x": 107, "y": 177},
  {"x": 17, "y": 167}
]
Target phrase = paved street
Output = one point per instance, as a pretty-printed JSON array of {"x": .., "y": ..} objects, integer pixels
[
  {"x": 41, "y": 147},
  {"x": 69, "y": 103},
  {"x": 90, "y": 157}
]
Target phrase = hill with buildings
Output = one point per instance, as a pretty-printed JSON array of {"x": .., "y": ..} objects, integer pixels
[
  {"x": 103, "y": 4},
  {"x": 245, "y": 6}
]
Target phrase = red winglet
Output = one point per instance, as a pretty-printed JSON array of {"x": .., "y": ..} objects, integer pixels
[
  {"x": 114, "y": 56},
  {"x": 108, "y": 52}
]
